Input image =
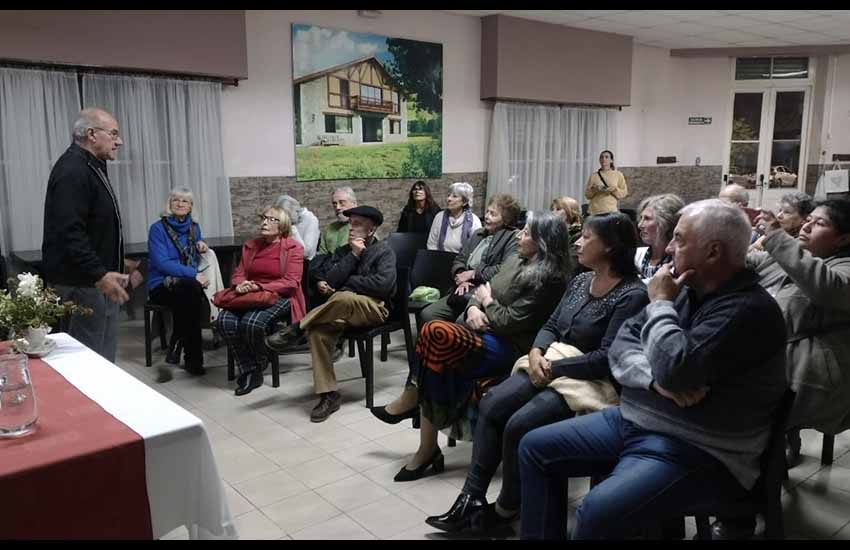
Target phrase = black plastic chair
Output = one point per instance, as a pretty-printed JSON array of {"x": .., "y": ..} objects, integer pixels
[
  {"x": 405, "y": 246},
  {"x": 154, "y": 313},
  {"x": 431, "y": 268},
  {"x": 827, "y": 449},
  {"x": 398, "y": 319}
]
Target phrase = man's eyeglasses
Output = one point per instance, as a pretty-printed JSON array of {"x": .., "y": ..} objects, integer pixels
[
  {"x": 112, "y": 133},
  {"x": 269, "y": 219}
]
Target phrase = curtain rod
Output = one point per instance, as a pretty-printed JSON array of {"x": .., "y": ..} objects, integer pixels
[{"x": 69, "y": 67}]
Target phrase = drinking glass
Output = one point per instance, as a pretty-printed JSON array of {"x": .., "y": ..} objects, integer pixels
[{"x": 18, "y": 411}]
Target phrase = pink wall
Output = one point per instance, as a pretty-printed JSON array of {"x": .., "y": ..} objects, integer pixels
[
  {"x": 534, "y": 61},
  {"x": 187, "y": 42},
  {"x": 258, "y": 115}
]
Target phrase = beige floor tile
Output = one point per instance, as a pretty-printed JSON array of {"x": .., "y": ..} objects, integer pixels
[
  {"x": 271, "y": 438},
  {"x": 335, "y": 439},
  {"x": 434, "y": 496},
  {"x": 352, "y": 492},
  {"x": 242, "y": 465},
  {"x": 341, "y": 527},
  {"x": 383, "y": 475},
  {"x": 301, "y": 511},
  {"x": 815, "y": 512},
  {"x": 843, "y": 534},
  {"x": 181, "y": 533},
  {"x": 372, "y": 428},
  {"x": 256, "y": 526},
  {"x": 404, "y": 442},
  {"x": 365, "y": 456},
  {"x": 321, "y": 471},
  {"x": 295, "y": 452},
  {"x": 270, "y": 488},
  {"x": 832, "y": 477},
  {"x": 388, "y": 516},
  {"x": 237, "y": 503}
]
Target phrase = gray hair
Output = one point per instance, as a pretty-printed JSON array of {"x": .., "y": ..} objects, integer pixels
[
  {"x": 666, "y": 209},
  {"x": 737, "y": 193},
  {"x": 799, "y": 201},
  {"x": 183, "y": 192},
  {"x": 463, "y": 190},
  {"x": 717, "y": 220},
  {"x": 292, "y": 207},
  {"x": 348, "y": 191},
  {"x": 552, "y": 237},
  {"x": 90, "y": 117}
]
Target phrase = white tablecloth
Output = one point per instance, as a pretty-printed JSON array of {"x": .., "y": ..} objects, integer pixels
[{"x": 183, "y": 484}]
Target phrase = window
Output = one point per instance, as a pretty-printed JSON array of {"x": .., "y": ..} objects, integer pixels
[
  {"x": 767, "y": 68},
  {"x": 395, "y": 126},
  {"x": 338, "y": 92},
  {"x": 395, "y": 102},
  {"x": 370, "y": 95},
  {"x": 337, "y": 124}
]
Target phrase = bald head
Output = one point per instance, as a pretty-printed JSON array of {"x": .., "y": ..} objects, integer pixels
[{"x": 735, "y": 194}]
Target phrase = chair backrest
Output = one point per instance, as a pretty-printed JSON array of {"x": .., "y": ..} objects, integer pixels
[
  {"x": 399, "y": 311},
  {"x": 433, "y": 268},
  {"x": 405, "y": 246}
]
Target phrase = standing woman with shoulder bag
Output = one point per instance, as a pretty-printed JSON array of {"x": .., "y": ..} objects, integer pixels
[
  {"x": 272, "y": 262},
  {"x": 605, "y": 186}
]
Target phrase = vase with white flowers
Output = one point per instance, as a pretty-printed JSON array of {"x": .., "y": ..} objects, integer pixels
[{"x": 28, "y": 310}]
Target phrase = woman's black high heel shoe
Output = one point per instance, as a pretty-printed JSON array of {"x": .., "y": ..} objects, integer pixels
[
  {"x": 437, "y": 462},
  {"x": 382, "y": 414},
  {"x": 459, "y": 516}
]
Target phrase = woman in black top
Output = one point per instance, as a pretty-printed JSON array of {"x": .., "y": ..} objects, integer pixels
[
  {"x": 588, "y": 317},
  {"x": 418, "y": 215}
]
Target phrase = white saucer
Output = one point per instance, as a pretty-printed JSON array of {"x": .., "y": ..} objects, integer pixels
[{"x": 48, "y": 346}]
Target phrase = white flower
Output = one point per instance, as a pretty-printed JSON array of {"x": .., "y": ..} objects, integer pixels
[{"x": 28, "y": 284}]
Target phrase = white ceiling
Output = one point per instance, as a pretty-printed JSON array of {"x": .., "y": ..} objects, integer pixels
[{"x": 702, "y": 28}]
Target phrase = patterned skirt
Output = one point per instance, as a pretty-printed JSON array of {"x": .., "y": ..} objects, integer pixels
[{"x": 455, "y": 362}]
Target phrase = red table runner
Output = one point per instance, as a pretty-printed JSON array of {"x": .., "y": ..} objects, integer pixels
[{"x": 80, "y": 475}]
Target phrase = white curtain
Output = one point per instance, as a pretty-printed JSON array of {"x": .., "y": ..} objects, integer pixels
[
  {"x": 539, "y": 152},
  {"x": 37, "y": 112},
  {"x": 172, "y": 138}
]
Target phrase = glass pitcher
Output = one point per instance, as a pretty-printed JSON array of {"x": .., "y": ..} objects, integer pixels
[{"x": 18, "y": 411}]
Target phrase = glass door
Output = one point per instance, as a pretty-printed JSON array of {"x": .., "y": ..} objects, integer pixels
[{"x": 768, "y": 142}]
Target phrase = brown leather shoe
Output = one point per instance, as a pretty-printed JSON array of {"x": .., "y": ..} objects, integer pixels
[{"x": 328, "y": 404}]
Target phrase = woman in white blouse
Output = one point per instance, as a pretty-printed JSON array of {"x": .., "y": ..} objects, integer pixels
[
  {"x": 657, "y": 218},
  {"x": 453, "y": 226}
]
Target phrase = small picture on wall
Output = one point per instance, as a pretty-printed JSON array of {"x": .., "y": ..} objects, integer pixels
[{"x": 366, "y": 105}]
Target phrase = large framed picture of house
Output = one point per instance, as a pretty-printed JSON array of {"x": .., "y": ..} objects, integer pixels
[{"x": 366, "y": 105}]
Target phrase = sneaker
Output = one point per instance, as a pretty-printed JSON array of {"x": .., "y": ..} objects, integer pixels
[
  {"x": 328, "y": 404},
  {"x": 285, "y": 338}
]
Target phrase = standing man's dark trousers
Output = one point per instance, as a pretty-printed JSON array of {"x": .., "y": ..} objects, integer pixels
[{"x": 98, "y": 331}]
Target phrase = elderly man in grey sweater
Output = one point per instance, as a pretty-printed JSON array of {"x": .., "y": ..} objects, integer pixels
[{"x": 702, "y": 370}]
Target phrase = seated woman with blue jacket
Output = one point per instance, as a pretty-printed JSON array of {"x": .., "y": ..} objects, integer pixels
[{"x": 174, "y": 248}]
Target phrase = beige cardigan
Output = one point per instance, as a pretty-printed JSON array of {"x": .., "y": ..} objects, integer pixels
[{"x": 604, "y": 199}]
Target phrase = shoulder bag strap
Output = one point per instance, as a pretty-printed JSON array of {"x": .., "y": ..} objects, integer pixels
[
  {"x": 184, "y": 255},
  {"x": 599, "y": 173}
]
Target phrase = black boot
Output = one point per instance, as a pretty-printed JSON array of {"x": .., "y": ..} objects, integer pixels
[
  {"x": 459, "y": 516},
  {"x": 174, "y": 351}
]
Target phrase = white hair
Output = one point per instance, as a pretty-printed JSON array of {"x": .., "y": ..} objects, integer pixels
[
  {"x": 292, "y": 207},
  {"x": 717, "y": 220},
  {"x": 90, "y": 117},
  {"x": 463, "y": 190},
  {"x": 348, "y": 191},
  {"x": 737, "y": 193},
  {"x": 183, "y": 193}
]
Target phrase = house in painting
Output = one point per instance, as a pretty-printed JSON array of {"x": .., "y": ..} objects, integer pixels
[{"x": 351, "y": 104}]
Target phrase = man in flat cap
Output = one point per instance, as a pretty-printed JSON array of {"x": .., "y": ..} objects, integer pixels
[{"x": 359, "y": 279}]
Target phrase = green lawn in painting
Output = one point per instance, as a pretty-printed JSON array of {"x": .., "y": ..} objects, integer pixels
[{"x": 385, "y": 160}]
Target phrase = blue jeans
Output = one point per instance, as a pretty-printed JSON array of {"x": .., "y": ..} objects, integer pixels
[
  {"x": 652, "y": 477},
  {"x": 99, "y": 331}
]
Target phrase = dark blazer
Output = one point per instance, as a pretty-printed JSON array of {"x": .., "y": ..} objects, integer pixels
[
  {"x": 372, "y": 274},
  {"x": 82, "y": 224},
  {"x": 504, "y": 244}
]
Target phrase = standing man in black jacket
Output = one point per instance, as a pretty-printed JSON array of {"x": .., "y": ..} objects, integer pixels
[
  {"x": 83, "y": 247},
  {"x": 360, "y": 280}
]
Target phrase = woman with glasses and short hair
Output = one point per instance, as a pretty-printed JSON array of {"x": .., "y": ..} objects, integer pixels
[{"x": 272, "y": 261}]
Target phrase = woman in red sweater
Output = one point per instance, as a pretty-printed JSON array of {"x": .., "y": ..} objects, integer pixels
[{"x": 273, "y": 261}]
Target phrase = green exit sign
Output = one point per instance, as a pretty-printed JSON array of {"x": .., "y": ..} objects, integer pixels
[{"x": 697, "y": 120}]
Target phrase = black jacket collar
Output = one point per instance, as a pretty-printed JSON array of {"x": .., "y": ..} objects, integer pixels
[{"x": 79, "y": 151}]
